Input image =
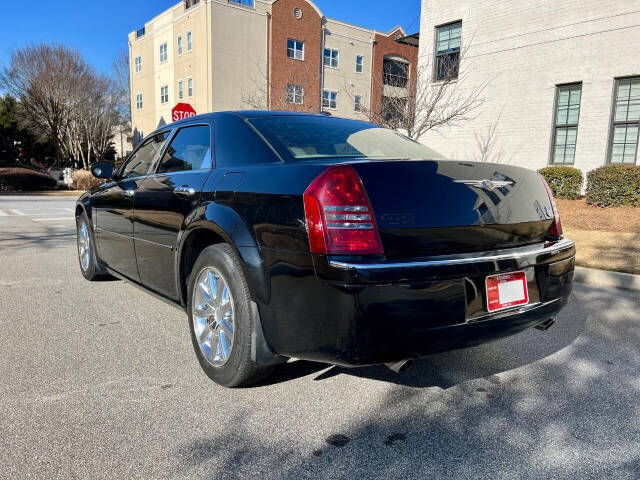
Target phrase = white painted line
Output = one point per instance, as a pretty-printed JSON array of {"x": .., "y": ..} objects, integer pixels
[
  {"x": 51, "y": 219},
  {"x": 17, "y": 212},
  {"x": 2, "y": 214},
  {"x": 70, "y": 210}
]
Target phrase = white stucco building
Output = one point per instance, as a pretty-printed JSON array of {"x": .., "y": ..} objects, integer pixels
[{"x": 563, "y": 78}]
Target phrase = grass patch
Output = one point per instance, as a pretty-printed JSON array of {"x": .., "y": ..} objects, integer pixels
[{"x": 606, "y": 238}]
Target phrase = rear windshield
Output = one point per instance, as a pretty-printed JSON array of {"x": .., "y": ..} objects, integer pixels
[{"x": 298, "y": 138}]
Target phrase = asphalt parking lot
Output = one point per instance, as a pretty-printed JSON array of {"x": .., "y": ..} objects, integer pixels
[{"x": 99, "y": 380}]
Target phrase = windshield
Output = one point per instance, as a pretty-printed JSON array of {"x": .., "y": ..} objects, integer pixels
[{"x": 307, "y": 137}]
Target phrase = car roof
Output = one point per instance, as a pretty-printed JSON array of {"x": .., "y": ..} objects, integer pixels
[{"x": 239, "y": 113}]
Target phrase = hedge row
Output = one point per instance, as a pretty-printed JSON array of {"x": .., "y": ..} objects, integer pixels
[
  {"x": 24, "y": 179},
  {"x": 565, "y": 182},
  {"x": 608, "y": 186}
]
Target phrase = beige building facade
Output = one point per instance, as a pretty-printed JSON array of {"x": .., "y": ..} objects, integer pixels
[{"x": 219, "y": 55}]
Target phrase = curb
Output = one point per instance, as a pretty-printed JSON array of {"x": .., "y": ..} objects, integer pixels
[
  {"x": 63, "y": 193},
  {"x": 605, "y": 278}
]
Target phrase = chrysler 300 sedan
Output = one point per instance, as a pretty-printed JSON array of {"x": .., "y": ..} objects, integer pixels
[{"x": 303, "y": 236}]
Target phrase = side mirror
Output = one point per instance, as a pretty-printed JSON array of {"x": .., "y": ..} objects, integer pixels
[{"x": 104, "y": 170}]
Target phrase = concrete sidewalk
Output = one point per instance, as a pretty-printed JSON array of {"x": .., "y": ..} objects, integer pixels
[{"x": 605, "y": 278}]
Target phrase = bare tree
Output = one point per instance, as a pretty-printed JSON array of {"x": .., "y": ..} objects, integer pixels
[
  {"x": 421, "y": 101},
  {"x": 122, "y": 85},
  {"x": 41, "y": 77},
  {"x": 264, "y": 95},
  {"x": 63, "y": 99}
]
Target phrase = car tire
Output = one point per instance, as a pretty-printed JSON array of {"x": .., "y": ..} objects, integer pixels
[
  {"x": 87, "y": 258},
  {"x": 221, "y": 319}
]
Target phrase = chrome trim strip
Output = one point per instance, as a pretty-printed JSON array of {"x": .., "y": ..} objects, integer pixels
[
  {"x": 471, "y": 258},
  {"x": 138, "y": 239}
]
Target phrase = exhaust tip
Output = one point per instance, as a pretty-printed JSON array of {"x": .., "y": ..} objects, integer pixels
[
  {"x": 401, "y": 366},
  {"x": 546, "y": 325}
]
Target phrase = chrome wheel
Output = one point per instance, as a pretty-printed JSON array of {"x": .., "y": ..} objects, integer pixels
[
  {"x": 84, "y": 246},
  {"x": 212, "y": 316}
]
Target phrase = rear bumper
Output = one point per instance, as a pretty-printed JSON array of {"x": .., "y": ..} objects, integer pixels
[{"x": 356, "y": 312}]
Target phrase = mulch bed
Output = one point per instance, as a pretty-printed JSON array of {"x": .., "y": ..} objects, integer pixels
[{"x": 576, "y": 214}]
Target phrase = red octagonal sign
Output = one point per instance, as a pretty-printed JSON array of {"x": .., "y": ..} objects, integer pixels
[{"x": 181, "y": 111}]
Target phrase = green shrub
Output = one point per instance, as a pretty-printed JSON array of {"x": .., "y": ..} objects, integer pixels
[
  {"x": 565, "y": 182},
  {"x": 24, "y": 179},
  {"x": 614, "y": 186}
]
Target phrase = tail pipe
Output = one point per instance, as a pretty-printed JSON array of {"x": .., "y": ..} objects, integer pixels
[
  {"x": 400, "y": 366},
  {"x": 546, "y": 325}
]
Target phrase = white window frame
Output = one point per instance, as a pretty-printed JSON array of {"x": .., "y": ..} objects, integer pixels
[
  {"x": 328, "y": 106},
  {"x": 361, "y": 65},
  {"x": 139, "y": 101},
  {"x": 180, "y": 89},
  {"x": 180, "y": 46},
  {"x": 295, "y": 94},
  {"x": 164, "y": 50},
  {"x": 357, "y": 103},
  {"x": 295, "y": 50},
  {"x": 334, "y": 56},
  {"x": 138, "y": 64},
  {"x": 190, "y": 87},
  {"x": 189, "y": 41},
  {"x": 164, "y": 94}
]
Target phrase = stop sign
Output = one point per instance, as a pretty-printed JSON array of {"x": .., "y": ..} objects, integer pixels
[{"x": 182, "y": 110}]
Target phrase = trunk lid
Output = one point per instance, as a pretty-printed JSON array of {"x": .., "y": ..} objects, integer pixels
[{"x": 425, "y": 208}]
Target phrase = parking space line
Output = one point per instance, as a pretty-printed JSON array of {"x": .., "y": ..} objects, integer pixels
[
  {"x": 17, "y": 212},
  {"x": 51, "y": 219}
]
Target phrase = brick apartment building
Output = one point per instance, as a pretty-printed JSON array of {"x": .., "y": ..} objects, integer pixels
[
  {"x": 278, "y": 54},
  {"x": 563, "y": 78}
]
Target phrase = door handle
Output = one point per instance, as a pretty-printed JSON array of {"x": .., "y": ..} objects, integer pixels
[{"x": 186, "y": 191}]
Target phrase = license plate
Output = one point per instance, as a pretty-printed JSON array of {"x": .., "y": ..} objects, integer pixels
[{"x": 506, "y": 290}]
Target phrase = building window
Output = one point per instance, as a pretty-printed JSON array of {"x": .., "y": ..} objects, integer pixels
[
  {"x": 139, "y": 103},
  {"x": 189, "y": 41},
  {"x": 295, "y": 93},
  {"x": 180, "y": 45},
  {"x": 190, "y": 87},
  {"x": 359, "y": 63},
  {"x": 626, "y": 121},
  {"x": 247, "y": 3},
  {"x": 329, "y": 99},
  {"x": 357, "y": 103},
  {"x": 164, "y": 94},
  {"x": 449, "y": 39},
  {"x": 566, "y": 125},
  {"x": 295, "y": 49},
  {"x": 331, "y": 57},
  {"x": 138, "y": 64},
  {"x": 164, "y": 55},
  {"x": 190, "y": 3},
  {"x": 180, "y": 90},
  {"x": 395, "y": 73},
  {"x": 141, "y": 32}
]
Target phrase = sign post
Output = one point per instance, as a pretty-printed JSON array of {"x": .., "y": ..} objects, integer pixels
[{"x": 182, "y": 111}]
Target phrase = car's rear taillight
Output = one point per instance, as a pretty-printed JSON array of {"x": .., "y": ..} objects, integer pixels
[
  {"x": 556, "y": 226},
  {"x": 340, "y": 219}
]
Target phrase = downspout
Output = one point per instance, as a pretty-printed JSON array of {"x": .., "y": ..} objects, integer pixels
[
  {"x": 373, "y": 45},
  {"x": 268, "y": 61},
  {"x": 322, "y": 69}
]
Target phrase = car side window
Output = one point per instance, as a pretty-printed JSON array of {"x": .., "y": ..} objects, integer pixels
[
  {"x": 189, "y": 150},
  {"x": 139, "y": 163}
]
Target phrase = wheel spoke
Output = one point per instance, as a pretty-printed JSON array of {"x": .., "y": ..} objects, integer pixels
[
  {"x": 226, "y": 327},
  {"x": 204, "y": 334},
  {"x": 223, "y": 344}
]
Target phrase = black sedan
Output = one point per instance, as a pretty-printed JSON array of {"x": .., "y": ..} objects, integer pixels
[{"x": 303, "y": 236}]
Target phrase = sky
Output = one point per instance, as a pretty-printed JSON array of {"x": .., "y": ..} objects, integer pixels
[{"x": 99, "y": 28}]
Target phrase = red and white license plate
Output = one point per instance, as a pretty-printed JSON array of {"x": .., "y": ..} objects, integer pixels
[{"x": 506, "y": 290}]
